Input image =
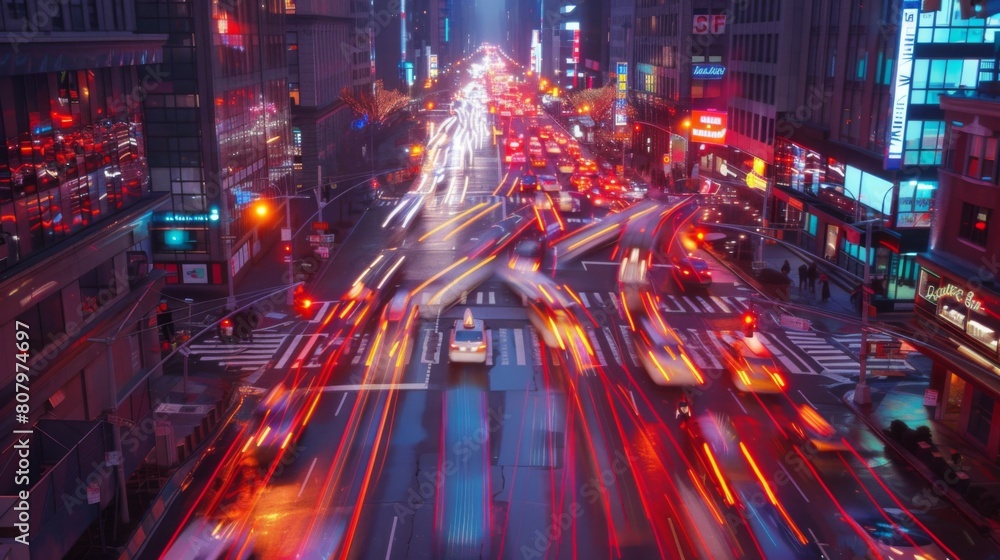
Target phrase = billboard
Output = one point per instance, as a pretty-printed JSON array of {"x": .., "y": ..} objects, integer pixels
[
  {"x": 432, "y": 66},
  {"x": 901, "y": 84},
  {"x": 621, "y": 94},
  {"x": 708, "y": 127},
  {"x": 536, "y": 51},
  {"x": 576, "y": 46}
]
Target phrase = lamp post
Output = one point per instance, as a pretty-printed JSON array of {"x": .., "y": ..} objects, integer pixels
[{"x": 863, "y": 393}]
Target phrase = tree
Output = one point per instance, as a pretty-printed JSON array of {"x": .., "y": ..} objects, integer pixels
[
  {"x": 378, "y": 104},
  {"x": 599, "y": 103}
]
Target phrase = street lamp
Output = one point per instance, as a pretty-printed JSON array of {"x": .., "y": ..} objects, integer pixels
[{"x": 863, "y": 393}]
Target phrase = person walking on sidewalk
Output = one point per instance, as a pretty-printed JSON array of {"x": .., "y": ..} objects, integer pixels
[
  {"x": 825, "y": 281},
  {"x": 786, "y": 268},
  {"x": 165, "y": 319},
  {"x": 803, "y": 276},
  {"x": 813, "y": 274}
]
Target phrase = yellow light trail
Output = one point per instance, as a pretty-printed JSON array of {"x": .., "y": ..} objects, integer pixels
[
  {"x": 434, "y": 278},
  {"x": 593, "y": 236},
  {"x": 472, "y": 220},
  {"x": 451, "y": 221}
]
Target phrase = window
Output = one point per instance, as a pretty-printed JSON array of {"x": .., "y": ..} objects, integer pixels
[
  {"x": 975, "y": 224},
  {"x": 981, "y": 156},
  {"x": 980, "y": 416}
]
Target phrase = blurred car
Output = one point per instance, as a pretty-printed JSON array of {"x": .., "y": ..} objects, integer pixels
[
  {"x": 692, "y": 271},
  {"x": 278, "y": 422},
  {"x": 603, "y": 199},
  {"x": 561, "y": 139},
  {"x": 753, "y": 368},
  {"x": 552, "y": 148},
  {"x": 545, "y": 133},
  {"x": 535, "y": 149},
  {"x": 529, "y": 182},
  {"x": 549, "y": 183},
  {"x": 663, "y": 356},
  {"x": 554, "y": 325},
  {"x": 561, "y": 200},
  {"x": 892, "y": 535},
  {"x": 635, "y": 189},
  {"x": 539, "y": 161},
  {"x": 527, "y": 255},
  {"x": 572, "y": 150},
  {"x": 518, "y": 157},
  {"x": 586, "y": 167},
  {"x": 581, "y": 183},
  {"x": 565, "y": 165},
  {"x": 468, "y": 340}
]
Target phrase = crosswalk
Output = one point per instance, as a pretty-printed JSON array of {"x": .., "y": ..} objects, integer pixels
[
  {"x": 243, "y": 356},
  {"x": 611, "y": 301},
  {"x": 833, "y": 360}
]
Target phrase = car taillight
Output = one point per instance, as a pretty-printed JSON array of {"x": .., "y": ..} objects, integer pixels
[{"x": 226, "y": 323}]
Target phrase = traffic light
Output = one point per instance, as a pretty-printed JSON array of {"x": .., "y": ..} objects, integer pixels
[
  {"x": 286, "y": 249},
  {"x": 302, "y": 303},
  {"x": 749, "y": 323}
]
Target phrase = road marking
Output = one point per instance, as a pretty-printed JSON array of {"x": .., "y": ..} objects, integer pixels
[
  {"x": 804, "y": 397},
  {"x": 378, "y": 387},
  {"x": 615, "y": 352},
  {"x": 321, "y": 314},
  {"x": 635, "y": 407},
  {"x": 583, "y": 298},
  {"x": 677, "y": 539},
  {"x": 789, "y": 475},
  {"x": 305, "y": 349},
  {"x": 519, "y": 354},
  {"x": 722, "y": 305},
  {"x": 361, "y": 350},
  {"x": 600, "y": 300},
  {"x": 306, "y": 479},
  {"x": 819, "y": 545},
  {"x": 598, "y": 263},
  {"x": 395, "y": 519},
  {"x": 341, "y": 405},
  {"x": 613, "y": 298},
  {"x": 737, "y": 399}
]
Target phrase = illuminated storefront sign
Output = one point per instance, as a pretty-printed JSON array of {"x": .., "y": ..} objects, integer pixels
[
  {"x": 708, "y": 127},
  {"x": 709, "y": 24},
  {"x": 968, "y": 299},
  {"x": 621, "y": 94},
  {"x": 576, "y": 46},
  {"x": 708, "y": 71},
  {"x": 211, "y": 216},
  {"x": 901, "y": 85}
]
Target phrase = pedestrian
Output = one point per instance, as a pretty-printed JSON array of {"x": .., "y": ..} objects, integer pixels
[
  {"x": 165, "y": 319},
  {"x": 813, "y": 274},
  {"x": 825, "y": 281},
  {"x": 803, "y": 276},
  {"x": 786, "y": 268}
]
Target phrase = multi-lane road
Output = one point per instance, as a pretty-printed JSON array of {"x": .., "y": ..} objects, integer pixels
[{"x": 542, "y": 452}]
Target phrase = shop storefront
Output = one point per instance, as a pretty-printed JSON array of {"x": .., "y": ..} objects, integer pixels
[{"x": 959, "y": 314}]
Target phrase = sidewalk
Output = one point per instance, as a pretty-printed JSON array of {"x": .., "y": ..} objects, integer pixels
[{"x": 972, "y": 484}]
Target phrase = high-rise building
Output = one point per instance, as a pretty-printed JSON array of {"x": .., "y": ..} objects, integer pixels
[
  {"x": 75, "y": 249},
  {"x": 219, "y": 134},
  {"x": 862, "y": 135},
  {"x": 957, "y": 286},
  {"x": 680, "y": 55},
  {"x": 324, "y": 46}
]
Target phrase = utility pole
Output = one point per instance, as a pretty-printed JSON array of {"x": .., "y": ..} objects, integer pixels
[{"x": 863, "y": 393}]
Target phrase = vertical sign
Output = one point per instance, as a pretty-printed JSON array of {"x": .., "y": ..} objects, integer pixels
[
  {"x": 901, "y": 84},
  {"x": 576, "y": 46},
  {"x": 536, "y": 51},
  {"x": 621, "y": 94}
]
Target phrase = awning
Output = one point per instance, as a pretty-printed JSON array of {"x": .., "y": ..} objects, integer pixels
[{"x": 788, "y": 198}]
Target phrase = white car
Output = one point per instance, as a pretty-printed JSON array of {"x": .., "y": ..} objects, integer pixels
[
  {"x": 548, "y": 183},
  {"x": 552, "y": 148},
  {"x": 468, "y": 340}
]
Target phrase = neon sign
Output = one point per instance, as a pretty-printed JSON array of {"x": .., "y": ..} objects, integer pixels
[
  {"x": 708, "y": 127},
  {"x": 967, "y": 298},
  {"x": 901, "y": 86}
]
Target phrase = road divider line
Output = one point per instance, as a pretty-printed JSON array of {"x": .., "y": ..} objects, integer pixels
[
  {"x": 737, "y": 399},
  {"x": 313, "y": 338},
  {"x": 288, "y": 353},
  {"x": 677, "y": 539},
  {"x": 796, "y": 484},
  {"x": 341, "y": 405},
  {"x": 306, "y": 479},
  {"x": 805, "y": 398},
  {"x": 635, "y": 407},
  {"x": 392, "y": 535},
  {"x": 519, "y": 355}
]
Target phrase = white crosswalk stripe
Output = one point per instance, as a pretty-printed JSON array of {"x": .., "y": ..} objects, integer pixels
[
  {"x": 704, "y": 304},
  {"x": 791, "y": 362},
  {"x": 700, "y": 348},
  {"x": 831, "y": 359},
  {"x": 244, "y": 355}
]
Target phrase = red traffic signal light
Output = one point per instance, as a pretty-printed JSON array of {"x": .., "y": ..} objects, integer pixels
[
  {"x": 699, "y": 235},
  {"x": 749, "y": 324},
  {"x": 638, "y": 128},
  {"x": 287, "y": 248}
]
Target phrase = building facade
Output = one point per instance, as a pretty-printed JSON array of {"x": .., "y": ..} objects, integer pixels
[
  {"x": 958, "y": 291},
  {"x": 219, "y": 134},
  {"x": 75, "y": 254},
  {"x": 680, "y": 53},
  {"x": 864, "y": 137},
  {"x": 322, "y": 42}
]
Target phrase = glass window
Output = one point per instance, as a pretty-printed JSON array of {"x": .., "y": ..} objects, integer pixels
[
  {"x": 975, "y": 224},
  {"x": 980, "y": 416}
]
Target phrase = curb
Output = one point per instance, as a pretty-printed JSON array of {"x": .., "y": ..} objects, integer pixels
[
  {"x": 987, "y": 526},
  {"x": 136, "y": 543}
]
